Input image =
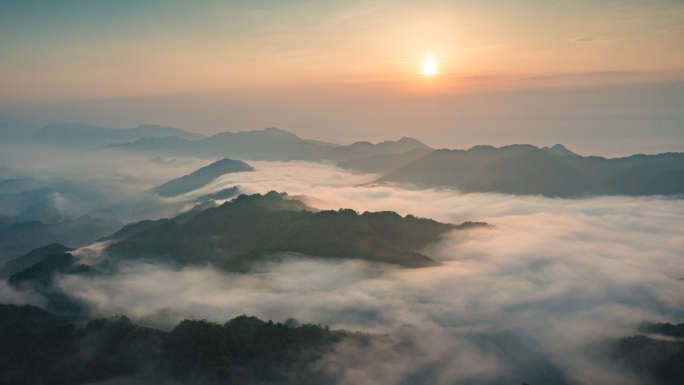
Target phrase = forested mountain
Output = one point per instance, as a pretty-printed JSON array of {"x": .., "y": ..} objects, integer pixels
[
  {"x": 32, "y": 257},
  {"x": 38, "y": 347},
  {"x": 658, "y": 357},
  {"x": 252, "y": 228},
  {"x": 525, "y": 169}
]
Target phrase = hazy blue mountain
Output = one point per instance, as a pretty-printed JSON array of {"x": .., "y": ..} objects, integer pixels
[
  {"x": 170, "y": 145},
  {"x": 11, "y": 129},
  {"x": 14, "y": 203},
  {"x": 525, "y": 169},
  {"x": 40, "y": 211},
  {"x": 267, "y": 144},
  {"x": 84, "y": 134},
  {"x": 18, "y": 238},
  {"x": 32, "y": 257},
  {"x": 10, "y": 173},
  {"x": 134, "y": 228},
  {"x": 16, "y": 185},
  {"x": 57, "y": 200},
  {"x": 201, "y": 177},
  {"x": 380, "y": 164},
  {"x": 224, "y": 194},
  {"x": 253, "y": 228}
]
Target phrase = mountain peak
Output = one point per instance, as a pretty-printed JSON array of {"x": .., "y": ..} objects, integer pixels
[{"x": 559, "y": 150}]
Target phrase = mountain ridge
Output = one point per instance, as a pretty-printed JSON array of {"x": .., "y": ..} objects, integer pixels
[
  {"x": 252, "y": 228},
  {"x": 267, "y": 144},
  {"x": 555, "y": 172},
  {"x": 201, "y": 177}
]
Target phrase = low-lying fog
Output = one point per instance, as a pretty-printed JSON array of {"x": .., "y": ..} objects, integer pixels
[{"x": 545, "y": 284}]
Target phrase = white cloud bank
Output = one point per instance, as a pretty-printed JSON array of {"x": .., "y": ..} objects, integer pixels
[{"x": 548, "y": 281}]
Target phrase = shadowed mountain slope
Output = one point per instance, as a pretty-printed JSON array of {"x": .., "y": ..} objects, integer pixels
[
  {"x": 19, "y": 238},
  {"x": 555, "y": 172},
  {"x": 201, "y": 177},
  {"x": 32, "y": 257},
  {"x": 659, "y": 360},
  {"x": 252, "y": 228},
  {"x": 380, "y": 164}
]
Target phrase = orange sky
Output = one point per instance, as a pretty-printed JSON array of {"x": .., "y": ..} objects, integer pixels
[
  {"x": 603, "y": 77},
  {"x": 68, "y": 50}
]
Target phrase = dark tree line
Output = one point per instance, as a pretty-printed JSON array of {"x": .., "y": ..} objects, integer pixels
[{"x": 38, "y": 347}]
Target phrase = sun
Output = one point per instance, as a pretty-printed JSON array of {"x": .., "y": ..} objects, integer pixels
[{"x": 429, "y": 68}]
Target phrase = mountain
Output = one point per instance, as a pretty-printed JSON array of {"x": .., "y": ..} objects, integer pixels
[
  {"x": 19, "y": 238},
  {"x": 201, "y": 177},
  {"x": 36, "y": 212},
  {"x": 11, "y": 129},
  {"x": 267, "y": 144},
  {"x": 39, "y": 347},
  {"x": 17, "y": 185},
  {"x": 558, "y": 149},
  {"x": 224, "y": 194},
  {"x": 555, "y": 172},
  {"x": 254, "y": 228},
  {"x": 44, "y": 271},
  {"x": 89, "y": 135},
  {"x": 658, "y": 357},
  {"x": 40, "y": 278},
  {"x": 134, "y": 228},
  {"x": 381, "y": 164},
  {"x": 13, "y": 204},
  {"x": 32, "y": 257}
]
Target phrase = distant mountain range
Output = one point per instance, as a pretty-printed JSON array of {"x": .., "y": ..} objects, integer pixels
[
  {"x": 268, "y": 144},
  {"x": 517, "y": 169},
  {"x": 20, "y": 237},
  {"x": 279, "y": 145},
  {"x": 552, "y": 172},
  {"x": 85, "y": 134},
  {"x": 11, "y": 129}
]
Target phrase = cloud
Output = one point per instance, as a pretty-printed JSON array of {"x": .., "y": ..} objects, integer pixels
[
  {"x": 525, "y": 300},
  {"x": 593, "y": 39}
]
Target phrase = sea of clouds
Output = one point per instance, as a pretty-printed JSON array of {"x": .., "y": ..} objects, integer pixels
[{"x": 535, "y": 297}]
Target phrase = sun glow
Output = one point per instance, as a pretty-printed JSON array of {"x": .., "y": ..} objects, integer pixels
[{"x": 429, "y": 68}]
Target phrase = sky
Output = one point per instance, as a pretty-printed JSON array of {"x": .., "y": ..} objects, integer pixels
[{"x": 606, "y": 77}]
